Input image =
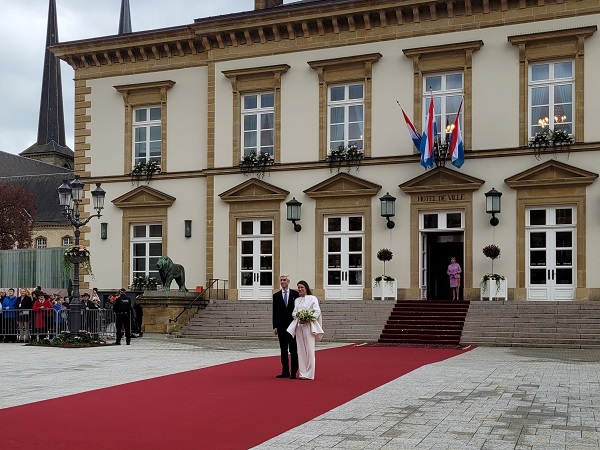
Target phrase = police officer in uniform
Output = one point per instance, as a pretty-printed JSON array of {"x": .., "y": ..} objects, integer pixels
[{"x": 123, "y": 309}]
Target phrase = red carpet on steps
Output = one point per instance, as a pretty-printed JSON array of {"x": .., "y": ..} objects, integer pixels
[{"x": 231, "y": 406}]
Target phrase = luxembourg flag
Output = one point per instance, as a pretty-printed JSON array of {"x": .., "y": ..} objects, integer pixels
[
  {"x": 457, "y": 149},
  {"x": 412, "y": 131},
  {"x": 428, "y": 137}
]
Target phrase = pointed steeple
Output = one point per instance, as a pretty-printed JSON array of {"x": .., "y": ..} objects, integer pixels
[
  {"x": 125, "y": 18},
  {"x": 51, "y": 144}
]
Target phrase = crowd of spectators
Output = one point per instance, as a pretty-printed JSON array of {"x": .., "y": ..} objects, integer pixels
[{"x": 28, "y": 315}]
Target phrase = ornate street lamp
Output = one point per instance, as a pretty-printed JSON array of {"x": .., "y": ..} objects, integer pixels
[
  {"x": 492, "y": 205},
  {"x": 388, "y": 208},
  {"x": 293, "y": 213},
  {"x": 70, "y": 196}
]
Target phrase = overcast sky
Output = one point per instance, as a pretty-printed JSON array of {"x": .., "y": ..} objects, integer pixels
[{"x": 23, "y": 36}]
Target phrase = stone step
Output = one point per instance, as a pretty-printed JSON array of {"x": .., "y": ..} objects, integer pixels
[
  {"x": 345, "y": 321},
  {"x": 533, "y": 324}
]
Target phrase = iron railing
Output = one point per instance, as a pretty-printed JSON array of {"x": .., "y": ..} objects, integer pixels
[{"x": 213, "y": 290}]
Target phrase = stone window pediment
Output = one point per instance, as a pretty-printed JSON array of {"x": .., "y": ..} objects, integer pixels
[
  {"x": 143, "y": 196},
  {"x": 551, "y": 174},
  {"x": 441, "y": 180},
  {"x": 343, "y": 185},
  {"x": 254, "y": 190}
]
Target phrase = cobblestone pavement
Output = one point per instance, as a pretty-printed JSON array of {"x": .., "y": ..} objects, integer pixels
[
  {"x": 488, "y": 398},
  {"x": 485, "y": 399}
]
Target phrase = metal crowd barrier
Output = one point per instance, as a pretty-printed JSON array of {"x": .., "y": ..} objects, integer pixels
[{"x": 24, "y": 325}]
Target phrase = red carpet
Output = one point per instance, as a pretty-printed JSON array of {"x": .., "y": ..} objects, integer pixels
[{"x": 231, "y": 406}]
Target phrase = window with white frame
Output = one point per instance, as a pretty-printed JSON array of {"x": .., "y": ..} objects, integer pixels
[
  {"x": 346, "y": 114},
  {"x": 41, "y": 242},
  {"x": 258, "y": 123},
  {"x": 67, "y": 241},
  {"x": 146, "y": 249},
  {"x": 147, "y": 134},
  {"x": 448, "y": 91},
  {"x": 551, "y": 94}
]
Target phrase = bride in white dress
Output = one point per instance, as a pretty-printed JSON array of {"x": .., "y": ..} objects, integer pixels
[{"x": 306, "y": 333}]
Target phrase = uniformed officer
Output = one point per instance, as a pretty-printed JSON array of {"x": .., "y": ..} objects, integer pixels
[{"x": 123, "y": 309}]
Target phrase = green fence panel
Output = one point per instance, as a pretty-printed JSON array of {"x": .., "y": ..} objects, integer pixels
[{"x": 33, "y": 267}]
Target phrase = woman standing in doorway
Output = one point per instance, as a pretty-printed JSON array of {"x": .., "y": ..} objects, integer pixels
[
  {"x": 454, "y": 272},
  {"x": 306, "y": 332}
]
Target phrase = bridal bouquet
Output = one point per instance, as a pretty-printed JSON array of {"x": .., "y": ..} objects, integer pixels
[{"x": 305, "y": 316}]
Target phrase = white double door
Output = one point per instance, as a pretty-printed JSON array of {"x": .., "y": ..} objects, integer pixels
[
  {"x": 255, "y": 259},
  {"x": 551, "y": 253},
  {"x": 344, "y": 257}
]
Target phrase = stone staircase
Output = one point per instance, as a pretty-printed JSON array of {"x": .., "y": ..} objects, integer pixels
[
  {"x": 425, "y": 322},
  {"x": 343, "y": 321},
  {"x": 533, "y": 324}
]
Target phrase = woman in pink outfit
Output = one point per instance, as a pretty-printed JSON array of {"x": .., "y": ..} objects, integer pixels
[{"x": 454, "y": 272}]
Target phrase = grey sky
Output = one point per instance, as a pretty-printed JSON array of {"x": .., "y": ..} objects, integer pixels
[{"x": 23, "y": 34}]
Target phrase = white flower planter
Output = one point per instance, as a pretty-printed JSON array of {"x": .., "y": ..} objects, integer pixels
[
  {"x": 493, "y": 291},
  {"x": 385, "y": 290}
]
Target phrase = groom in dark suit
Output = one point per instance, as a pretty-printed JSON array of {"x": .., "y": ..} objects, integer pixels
[{"x": 283, "y": 306}]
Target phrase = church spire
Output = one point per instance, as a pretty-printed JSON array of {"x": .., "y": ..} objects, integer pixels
[
  {"x": 51, "y": 126},
  {"x": 51, "y": 144},
  {"x": 125, "y": 18}
]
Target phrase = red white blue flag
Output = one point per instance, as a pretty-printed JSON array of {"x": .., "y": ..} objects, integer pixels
[
  {"x": 457, "y": 148},
  {"x": 428, "y": 137},
  {"x": 412, "y": 131}
]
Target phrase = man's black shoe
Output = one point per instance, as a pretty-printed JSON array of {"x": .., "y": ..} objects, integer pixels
[
  {"x": 292, "y": 377},
  {"x": 282, "y": 375},
  {"x": 117, "y": 343}
]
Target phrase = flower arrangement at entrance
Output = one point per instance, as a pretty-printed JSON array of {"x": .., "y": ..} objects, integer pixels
[
  {"x": 491, "y": 276},
  {"x": 77, "y": 254},
  {"x": 492, "y": 251},
  {"x": 305, "y": 316},
  {"x": 384, "y": 255}
]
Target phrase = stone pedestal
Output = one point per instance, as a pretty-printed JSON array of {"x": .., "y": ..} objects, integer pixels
[{"x": 162, "y": 307}]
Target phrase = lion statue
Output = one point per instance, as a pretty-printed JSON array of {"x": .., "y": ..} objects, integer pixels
[{"x": 170, "y": 271}]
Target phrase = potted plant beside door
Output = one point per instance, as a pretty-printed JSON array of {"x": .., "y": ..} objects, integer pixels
[
  {"x": 384, "y": 286},
  {"x": 493, "y": 285}
]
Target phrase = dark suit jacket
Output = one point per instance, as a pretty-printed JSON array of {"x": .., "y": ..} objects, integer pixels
[{"x": 282, "y": 316}]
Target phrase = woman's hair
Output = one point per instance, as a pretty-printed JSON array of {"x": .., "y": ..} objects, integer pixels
[{"x": 306, "y": 286}]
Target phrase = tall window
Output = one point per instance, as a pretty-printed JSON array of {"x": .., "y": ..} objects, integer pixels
[
  {"x": 41, "y": 242},
  {"x": 448, "y": 91},
  {"x": 258, "y": 123},
  {"x": 67, "y": 241},
  {"x": 551, "y": 93},
  {"x": 146, "y": 249},
  {"x": 147, "y": 134},
  {"x": 346, "y": 103}
]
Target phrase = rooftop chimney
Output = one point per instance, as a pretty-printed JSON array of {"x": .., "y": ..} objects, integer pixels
[{"x": 265, "y": 4}]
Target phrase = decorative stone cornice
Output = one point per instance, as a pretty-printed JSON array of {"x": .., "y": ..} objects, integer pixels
[{"x": 316, "y": 21}]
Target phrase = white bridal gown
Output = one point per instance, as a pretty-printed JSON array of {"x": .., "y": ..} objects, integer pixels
[{"x": 306, "y": 334}]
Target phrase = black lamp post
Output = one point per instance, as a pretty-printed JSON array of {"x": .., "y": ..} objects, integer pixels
[
  {"x": 492, "y": 205},
  {"x": 293, "y": 213},
  {"x": 388, "y": 208},
  {"x": 70, "y": 196}
]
